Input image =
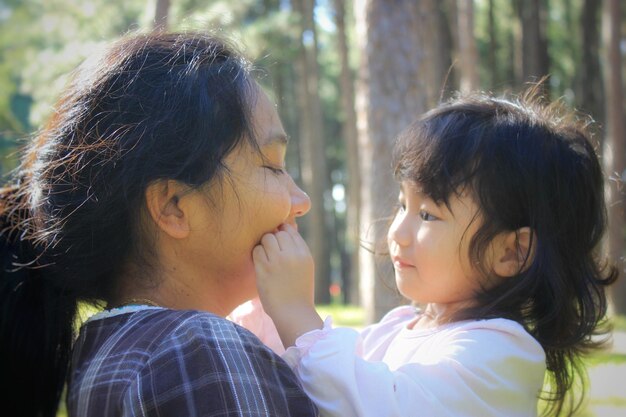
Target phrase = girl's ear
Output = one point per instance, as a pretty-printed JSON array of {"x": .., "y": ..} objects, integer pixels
[
  {"x": 163, "y": 204},
  {"x": 514, "y": 252}
]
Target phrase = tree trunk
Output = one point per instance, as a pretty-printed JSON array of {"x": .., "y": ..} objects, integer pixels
[
  {"x": 614, "y": 149},
  {"x": 396, "y": 49},
  {"x": 351, "y": 282},
  {"x": 493, "y": 46},
  {"x": 516, "y": 45},
  {"x": 314, "y": 173},
  {"x": 468, "y": 53},
  {"x": 440, "y": 70},
  {"x": 452, "y": 13},
  {"x": 535, "y": 61},
  {"x": 160, "y": 14},
  {"x": 590, "y": 79}
]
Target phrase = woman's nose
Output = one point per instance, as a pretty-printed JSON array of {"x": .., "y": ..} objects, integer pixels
[{"x": 300, "y": 202}]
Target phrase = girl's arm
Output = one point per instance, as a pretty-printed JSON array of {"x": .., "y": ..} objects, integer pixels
[{"x": 285, "y": 280}]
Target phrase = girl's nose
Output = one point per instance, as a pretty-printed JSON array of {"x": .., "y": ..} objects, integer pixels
[{"x": 399, "y": 231}]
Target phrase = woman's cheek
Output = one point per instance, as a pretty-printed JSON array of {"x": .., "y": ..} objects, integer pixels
[{"x": 278, "y": 201}]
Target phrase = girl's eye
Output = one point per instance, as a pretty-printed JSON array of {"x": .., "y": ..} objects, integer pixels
[
  {"x": 277, "y": 171},
  {"x": 427, "y": 217},
  {"x": 401, "y": 206}
]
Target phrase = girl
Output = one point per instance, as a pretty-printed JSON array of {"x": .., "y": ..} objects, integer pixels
[
  {"x": 501, "y": 211},
  {"x": 159, "y": 172}
]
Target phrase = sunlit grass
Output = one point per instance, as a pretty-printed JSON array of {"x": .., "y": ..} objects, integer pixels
[{"x": 343, "y": 315}]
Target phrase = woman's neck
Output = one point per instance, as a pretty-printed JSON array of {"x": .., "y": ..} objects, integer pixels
[{"x": 176, "y": 289}]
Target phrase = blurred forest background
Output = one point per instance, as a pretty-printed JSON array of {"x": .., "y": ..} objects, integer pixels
[{"x": 347, "y": 76}]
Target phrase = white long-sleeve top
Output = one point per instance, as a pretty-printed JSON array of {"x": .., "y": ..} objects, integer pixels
[{"x": 472, "y": 368}]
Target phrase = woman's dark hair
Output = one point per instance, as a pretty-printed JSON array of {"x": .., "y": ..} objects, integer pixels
[
  {"x": 153, "y": 106},
  {"x": 527, "y": 165}
]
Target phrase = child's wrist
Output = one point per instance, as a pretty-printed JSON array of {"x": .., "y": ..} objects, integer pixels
[{"x": 292, "y": 321}]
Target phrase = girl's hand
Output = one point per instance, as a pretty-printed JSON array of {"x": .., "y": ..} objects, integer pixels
[{"x": 285, "y": 280}]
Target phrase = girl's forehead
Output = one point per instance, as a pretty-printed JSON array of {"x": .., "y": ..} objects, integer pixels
[{"x": 413, "y": 187}]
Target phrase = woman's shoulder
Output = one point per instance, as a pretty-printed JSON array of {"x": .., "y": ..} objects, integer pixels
[
  {"x": 214, "y": 329},
  {"x": 165, "y": 339},
  {"x": 151, "y": 329},
  {"x": 197, "y": 337},
  {"x": 182, "y": 355}
]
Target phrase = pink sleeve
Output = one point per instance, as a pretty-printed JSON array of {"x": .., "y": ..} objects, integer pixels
[{"x": 252, "y": 316}]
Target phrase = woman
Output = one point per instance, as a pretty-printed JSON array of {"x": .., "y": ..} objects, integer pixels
[{"x": 160, "y": 170}]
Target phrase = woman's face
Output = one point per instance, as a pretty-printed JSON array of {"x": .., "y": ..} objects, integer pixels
[{"x": 255, "y": 196}]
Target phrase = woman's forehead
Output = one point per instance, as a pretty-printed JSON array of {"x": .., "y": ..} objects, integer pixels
[{"x": 267, "y": 124}]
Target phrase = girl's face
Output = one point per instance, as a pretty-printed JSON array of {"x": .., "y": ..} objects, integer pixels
[
  {"x": 255, "y": 197},
  {"x": 429, "y": 244}
]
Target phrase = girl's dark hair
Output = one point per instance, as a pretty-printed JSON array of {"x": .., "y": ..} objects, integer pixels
[
  {"x": 153, "y": 106},
  {"x": 527, "y": 165}
]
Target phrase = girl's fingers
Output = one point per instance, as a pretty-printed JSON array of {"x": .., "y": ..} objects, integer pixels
[
  {"x": 270, "y": 244},
  {"x": 296, "y": 237},
  {"x": 291, "y": 231},
  {"x": 259, "y": 255},
  {"x": 285, "y": 240}
]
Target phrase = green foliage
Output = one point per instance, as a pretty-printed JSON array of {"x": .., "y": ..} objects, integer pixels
[{"x": 41, "y": 41}]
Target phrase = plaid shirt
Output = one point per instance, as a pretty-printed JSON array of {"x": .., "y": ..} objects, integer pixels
[{"x": 161, "y": 362}]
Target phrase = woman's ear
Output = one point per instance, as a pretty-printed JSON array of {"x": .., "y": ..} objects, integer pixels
[
  {"x": 514, "y": 252},
  {"x": 163, "y": 204}
]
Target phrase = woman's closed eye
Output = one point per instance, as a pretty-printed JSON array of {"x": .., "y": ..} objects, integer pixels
[{"x": 275, "y": 170}]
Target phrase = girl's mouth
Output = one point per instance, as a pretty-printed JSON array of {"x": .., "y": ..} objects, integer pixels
[{"x": 400, "y": 263}]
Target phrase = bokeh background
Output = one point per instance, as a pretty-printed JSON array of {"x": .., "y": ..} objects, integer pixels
[{"x": 347, "y": 76}]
